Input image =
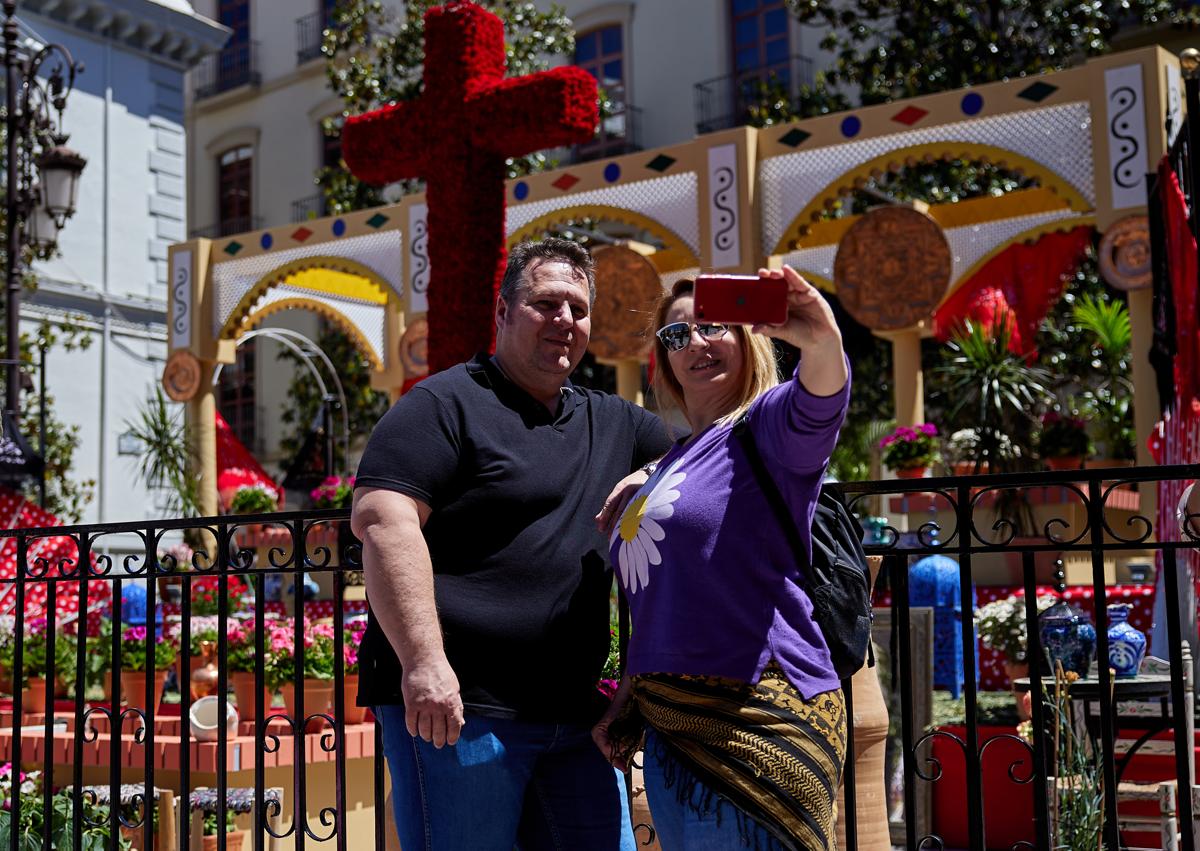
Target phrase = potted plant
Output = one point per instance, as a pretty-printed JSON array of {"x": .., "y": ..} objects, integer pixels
[
  {"x": 1063, "y": 441},
  {"x": 233, "y": 836},
  {"x": 172, "y": 561},
  {"x": 206, "y": 595},
  {"x": 334, "y": 492},
  {"x": 7, "y": 646},
  {"x": 135, "y": 655},
  {"x": 256, "y": 498},
  {"x": 352, "y": 637},
  {"x": 317, "y": 675},
  {"x": 33, "y": 665},
  {"x": 241, "y": 658},
  {"x": 1001, "y": 626},
  {"x": 95, "y": 832},
  {"x": 910, "y": 451}
]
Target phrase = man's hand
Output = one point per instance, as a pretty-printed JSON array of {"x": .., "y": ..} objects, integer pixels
[
  {"x": 433, "y": 707},
  {"x": 614, "y": 505}
]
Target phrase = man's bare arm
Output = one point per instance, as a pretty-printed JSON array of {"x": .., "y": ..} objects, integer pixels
[{"x": 399, "y": 579}]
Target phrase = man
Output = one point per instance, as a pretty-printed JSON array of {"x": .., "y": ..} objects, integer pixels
[{"x": 475, "y": 503}]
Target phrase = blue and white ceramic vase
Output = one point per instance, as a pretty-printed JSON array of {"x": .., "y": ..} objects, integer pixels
[
  {"x": 1126, "y": 644},
  {"x": 1068, "y": 637}
]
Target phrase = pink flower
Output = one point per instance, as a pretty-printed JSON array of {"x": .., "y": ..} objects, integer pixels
[
  {"x": 929, "y": 429},
  {"x": 607, "y": 688},
  {"x": 887, "y": 441},
  {"x": 134, "y": 633}
]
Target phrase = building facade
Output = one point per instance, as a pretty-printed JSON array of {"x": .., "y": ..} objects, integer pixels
[
  {"x": 126, "y": 116},
  {"x": 255, "y": 112}
]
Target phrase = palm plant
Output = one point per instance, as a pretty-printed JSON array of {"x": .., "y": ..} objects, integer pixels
[
  {"x": 991, "y": 389},
  {"x": 1107, "y": 403},
  {"x": 168, "y": 455}
]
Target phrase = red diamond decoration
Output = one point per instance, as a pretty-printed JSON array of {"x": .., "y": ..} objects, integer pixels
[
  {"x": 565, "y": 182},
  {"x": 910, "y": 115},
  {"x": 300, "y": 234}
]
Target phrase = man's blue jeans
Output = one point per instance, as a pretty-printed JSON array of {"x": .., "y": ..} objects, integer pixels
[{"x": 505, "y": 784}]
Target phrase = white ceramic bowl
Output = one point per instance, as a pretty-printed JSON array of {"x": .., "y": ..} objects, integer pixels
[{"x": 203, "y": 719}]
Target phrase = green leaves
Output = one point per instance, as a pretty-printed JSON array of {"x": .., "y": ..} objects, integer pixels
[{"x": 167, "y": 454}]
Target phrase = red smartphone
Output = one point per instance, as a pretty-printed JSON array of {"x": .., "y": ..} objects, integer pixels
[{"x": 740, "y": 299}]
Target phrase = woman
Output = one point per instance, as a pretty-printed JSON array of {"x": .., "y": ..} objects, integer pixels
[{"x": 745, "y": 719}]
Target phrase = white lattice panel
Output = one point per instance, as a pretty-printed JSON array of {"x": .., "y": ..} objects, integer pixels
[
  {"x": 1058, "y": 137},
  {"x": 968, "y": 244},
  {"x": 671, "y": 200},
  {"x": 367, "y": 317},
  {"x": 669, "y": 278},
  {"x": 379, "y": 252}
]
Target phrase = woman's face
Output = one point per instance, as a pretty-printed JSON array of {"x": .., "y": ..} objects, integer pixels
[{"x": 705, "y": 368}]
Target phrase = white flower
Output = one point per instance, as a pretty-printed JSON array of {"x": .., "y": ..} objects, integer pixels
[{"x": 639, "y": 529}]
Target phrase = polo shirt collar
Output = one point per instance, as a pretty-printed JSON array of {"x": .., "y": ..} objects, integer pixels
[{"x": 485, "y": 369}]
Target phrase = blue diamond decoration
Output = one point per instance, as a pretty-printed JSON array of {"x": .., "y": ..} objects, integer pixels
[
  {"x": 972, "y": 103},
  {"x": 1038, "y": 92},
  {"x": 339, "y": 227},
  {"x": 794, "y": 137},
  {"x": 265, "y": 241},
  {"x": 233, "y": 248},
  {"x": 377, "y": 221},
  {"x": 661, "y": 163},
  {"x": 612, "y": 172}
]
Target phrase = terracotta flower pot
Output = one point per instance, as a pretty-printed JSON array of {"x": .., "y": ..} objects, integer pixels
[
  {"x": 318, "y": 694},
  {"x": 1015, "y": 671},
  {"x": 204, "y": 672},
  {"x": 353, "y": 714},
  {"x": 133, "y": 687},
  {"x": 243, "y": 694},
  {"x": 1064, "y": 462},
  {"x": 33, "y": 698},
  {"x": 233, "y": 841},
  {"x": 911, "y": 472}
]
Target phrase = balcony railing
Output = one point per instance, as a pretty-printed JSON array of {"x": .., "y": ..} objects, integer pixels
[
  {"x": 620, "y": 133},
  {"x": 312, "y": 207},
  {"x": 234, "y": 66},
  {"x": 310, "y": 33},
  {"x": 240, "y": 595},
  {"x": 228, "y": 227},
  {"x": 730, "y": 101}
]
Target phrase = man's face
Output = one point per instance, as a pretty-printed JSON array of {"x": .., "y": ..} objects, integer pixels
[{"x": 545, "y": 331}]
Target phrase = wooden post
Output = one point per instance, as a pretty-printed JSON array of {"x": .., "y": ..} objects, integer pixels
[
  {"x": 1145, "y": 400},
  {"x": 202, "y": 428},
  {"x": 629, "y": 381},
  {"x": 907, "y": 376}
]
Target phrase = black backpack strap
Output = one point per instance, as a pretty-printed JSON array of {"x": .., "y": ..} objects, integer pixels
[{"x": 741, "y": 430}]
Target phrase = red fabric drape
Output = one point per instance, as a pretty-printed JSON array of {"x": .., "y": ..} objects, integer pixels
[
  {"x": 1181, "y": 268},
  {"x": 1024, "y": 279},
  {"x": 236, "y": 467}
]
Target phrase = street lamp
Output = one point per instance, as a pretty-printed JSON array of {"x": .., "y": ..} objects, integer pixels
[{"x": 42, "y": 173}]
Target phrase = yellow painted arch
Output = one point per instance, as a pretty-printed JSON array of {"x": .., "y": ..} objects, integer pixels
[
  {"x": 322, "y": 309},
  {"x": 675, "y": 256},
  {"x": 948, "y": 150},
  {"x": 370, "y": 285}
]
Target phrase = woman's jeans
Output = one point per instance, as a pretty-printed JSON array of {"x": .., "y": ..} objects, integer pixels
[{"x": 505, "y": 783}]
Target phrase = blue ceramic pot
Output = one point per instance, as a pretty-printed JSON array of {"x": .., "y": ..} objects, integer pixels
[
  {"x": 1068, "y": 637},
  {"x": 1126, "y": 644}
]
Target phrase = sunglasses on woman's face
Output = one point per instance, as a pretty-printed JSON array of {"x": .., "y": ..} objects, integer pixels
[{"x": 678, "y": 334}]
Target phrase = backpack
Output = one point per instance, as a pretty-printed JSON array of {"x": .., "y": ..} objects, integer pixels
[{"x": 837, "y": 578}]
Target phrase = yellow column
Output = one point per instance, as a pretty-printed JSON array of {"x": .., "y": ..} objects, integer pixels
[
  {"x": 629, "y": 381},
  {"x": 1145, "y": 398},
  {"x": 907, "y": 377},
  {"x": 202, "y": 428}
]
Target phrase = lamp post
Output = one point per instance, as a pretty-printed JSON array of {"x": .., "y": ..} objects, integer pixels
[{"x": 43, "y": 174}]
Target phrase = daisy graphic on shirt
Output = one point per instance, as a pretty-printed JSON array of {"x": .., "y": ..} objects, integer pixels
[{"x": 639, "y": 529}]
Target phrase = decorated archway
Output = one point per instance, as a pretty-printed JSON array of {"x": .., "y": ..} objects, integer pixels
[{"x": 731, "y": 201}]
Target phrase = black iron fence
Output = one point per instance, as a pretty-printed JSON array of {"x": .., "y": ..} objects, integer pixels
[
  {"x": 312, "y": 207},
  {"x": 310, "y": 33},
  {"x": 269, "y": 605}
]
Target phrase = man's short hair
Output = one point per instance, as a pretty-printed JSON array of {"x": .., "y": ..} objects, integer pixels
[{"x": 551, "y": 249}]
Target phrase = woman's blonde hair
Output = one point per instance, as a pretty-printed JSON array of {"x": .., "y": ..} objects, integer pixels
[{"x": 760, "y": 370}]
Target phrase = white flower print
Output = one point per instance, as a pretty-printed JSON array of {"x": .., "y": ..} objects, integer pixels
[{"x": 639, "y": 528}]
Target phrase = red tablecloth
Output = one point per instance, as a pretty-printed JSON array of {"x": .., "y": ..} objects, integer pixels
[{"x": 991, "y": 663}]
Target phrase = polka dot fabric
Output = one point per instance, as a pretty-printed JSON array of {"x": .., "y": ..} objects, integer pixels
[{"x": 44, "y": 557}]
